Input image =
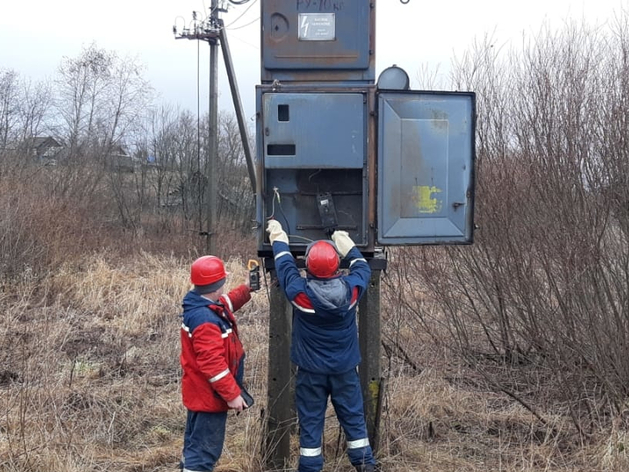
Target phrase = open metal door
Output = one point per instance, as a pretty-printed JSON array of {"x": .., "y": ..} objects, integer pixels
[{"x": 426, "y": 153}]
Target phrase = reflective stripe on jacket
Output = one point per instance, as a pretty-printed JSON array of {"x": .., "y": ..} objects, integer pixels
[
  {"x": 325, "y": 334},
  {"x": 211, "y": 352}
]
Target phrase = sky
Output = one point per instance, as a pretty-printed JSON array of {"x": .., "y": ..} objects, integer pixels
[{"x": 35, "y": 35}]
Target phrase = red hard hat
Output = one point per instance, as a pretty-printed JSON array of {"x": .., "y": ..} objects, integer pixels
[
  {"x": 322, "y": 259},
  {"x": 207, "y": 270}
]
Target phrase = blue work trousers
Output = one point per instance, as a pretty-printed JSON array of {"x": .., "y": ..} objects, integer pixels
[
  {"x": 203, "y": 440},
  {"x": 311, "y": 395}
]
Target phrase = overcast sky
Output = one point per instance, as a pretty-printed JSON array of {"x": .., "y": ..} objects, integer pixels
[{"x": 35, "y": 35}]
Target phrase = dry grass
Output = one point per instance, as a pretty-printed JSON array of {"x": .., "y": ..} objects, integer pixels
[{"x": 90, "y": 382}]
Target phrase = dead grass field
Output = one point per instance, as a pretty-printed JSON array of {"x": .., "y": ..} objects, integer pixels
[{"x": 89, "y": 381}]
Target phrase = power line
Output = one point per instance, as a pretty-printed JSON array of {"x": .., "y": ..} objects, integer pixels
[
  {"x": 242, "y": 26},
  {"x": 243, "y": 14}
]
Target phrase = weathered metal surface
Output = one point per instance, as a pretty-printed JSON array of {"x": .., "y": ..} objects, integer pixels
[
  {"x": 312, "y": 141},
  {"x": 426, "y": 156},
  {"x": 323, "y": 130},
  {"x": 318, "y": 40},
  {"x": 376, "y": 263},
  {"x": 295, "y": 203},
  {"x": 370, "y": 169}
]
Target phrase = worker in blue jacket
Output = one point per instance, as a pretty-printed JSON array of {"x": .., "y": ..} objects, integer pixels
[{"x": 325, "y": 342}]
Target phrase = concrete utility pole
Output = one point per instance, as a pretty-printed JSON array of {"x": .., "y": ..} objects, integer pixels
[
  {"x": 212, "y": 30},
  {"x": 208, "y": 30},
  {"x": 213, "y": 138}
]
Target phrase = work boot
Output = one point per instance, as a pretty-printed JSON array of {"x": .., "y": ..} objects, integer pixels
[{"x": 365, "y": 468}]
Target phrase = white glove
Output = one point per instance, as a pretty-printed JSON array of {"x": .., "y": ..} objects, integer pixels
[
  {"x": 276, "y": 233},
  {"x": 343, "y": 242}
]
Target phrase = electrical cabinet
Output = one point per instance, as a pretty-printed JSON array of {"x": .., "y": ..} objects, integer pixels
[
  {"x": 321, "y": 170},
  {"x": 313, "y": 156},
  {"x": 318, "y": 40},
  {"x": 335, "y": 150}
]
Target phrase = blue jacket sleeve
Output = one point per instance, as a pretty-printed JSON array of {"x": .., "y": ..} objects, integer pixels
[
  {"x": 359, "y": 270},
  {"x": 288, "y": 275}
]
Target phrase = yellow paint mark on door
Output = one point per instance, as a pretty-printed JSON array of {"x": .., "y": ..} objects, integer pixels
[{"x": 426, "y": 202}]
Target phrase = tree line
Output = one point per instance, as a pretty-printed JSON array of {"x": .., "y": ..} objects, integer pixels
[{"x": 137, "y": 163}]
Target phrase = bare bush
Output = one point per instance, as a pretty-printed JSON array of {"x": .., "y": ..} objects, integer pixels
[
  {"x": 39, "y": 230},
  {"x": 545, "y": 287}
]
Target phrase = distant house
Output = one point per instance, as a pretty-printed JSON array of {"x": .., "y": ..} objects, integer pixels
[
  {"x": 120, "y": 160},
  {"x": 45, "y": 148}
]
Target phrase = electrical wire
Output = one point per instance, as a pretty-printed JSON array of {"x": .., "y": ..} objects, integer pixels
[
  {"x": 308, "y": 240},
  {"x": 270, "y": 217},
  {"x": 254, "y": 46},
  {"x": 279, "y": 203},
  {"x": 175, "y": 29},
  {"x": 285, "y": 220},
  {"x": 243, "y": 26},
  {"x": 276, "y": 196},
  {"x": 267, "y": 285},
  {"x": 241, "y": 15}
]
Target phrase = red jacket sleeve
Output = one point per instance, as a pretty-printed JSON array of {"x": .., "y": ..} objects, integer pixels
[
  {"x": 236, "y": 298},
  {"x": 210, "y": 355}
]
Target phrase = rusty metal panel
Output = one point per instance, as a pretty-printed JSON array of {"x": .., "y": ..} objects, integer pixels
[
  {"x": 318, "y": 40},
  {"x": 426, "y": 155},
  {"x": 314, "y": 130},
  {"x": 295, "y": 203}
]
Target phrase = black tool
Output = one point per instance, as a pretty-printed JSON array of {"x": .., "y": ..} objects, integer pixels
[
  {"x": 246, "y": 397},
  {"x": 327, "y": 212}
]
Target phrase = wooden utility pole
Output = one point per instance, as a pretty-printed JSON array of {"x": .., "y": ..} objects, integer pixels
[
  {"x": 369, "y": 368},
  {"x": 281, "y": 416},
  {"x": 240, "y": 116}
]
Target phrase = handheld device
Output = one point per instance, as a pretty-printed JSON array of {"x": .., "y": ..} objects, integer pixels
[{"x": 254, "y": 274}]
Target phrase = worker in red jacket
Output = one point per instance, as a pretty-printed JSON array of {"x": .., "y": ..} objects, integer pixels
[{"x": 212, "y": 360}]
